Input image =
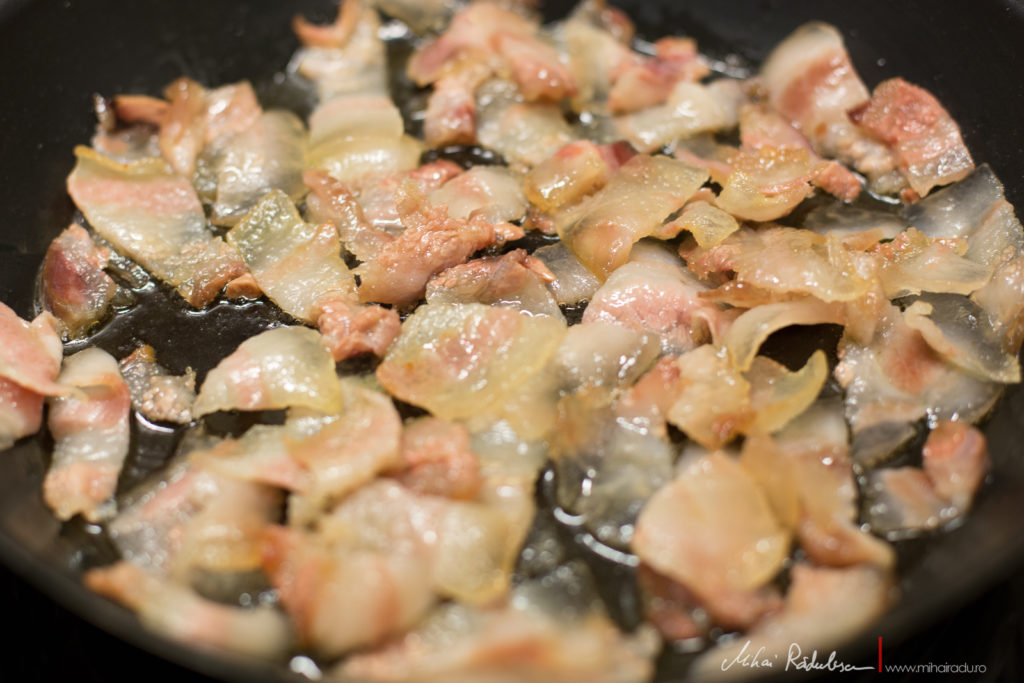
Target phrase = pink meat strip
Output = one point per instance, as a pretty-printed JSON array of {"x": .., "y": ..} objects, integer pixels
[
  {"x": 650, "y": 82},
  {"x": 437, "y": 460},
  {"x": 74, "y": 286},
  {"x": 91, "y": 435},
  {"x": 487, "y": 29}
]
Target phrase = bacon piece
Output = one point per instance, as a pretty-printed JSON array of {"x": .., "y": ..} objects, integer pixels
[
  {"x": 342, "y": 600},
  {"x": 597, "y": 53},
  {"x": 492, "y": 191},
  {"x": 955, "y": 462},
  {"x": 461, "y": 360},
  {"x": 484, "y": 27},
  {"x": 183, "y": 129},
  {"x": 450, "y": 116},
  {"x": 654, "y": 392},
  {"x": 602, "y": 229},
  {"x": 297, "y": 264},
  {"x": 812, "y": 82},
  {"x": 350, "y": 329},
  {"x": 190, "y": 520},
  {"x": 357, "y": 67},
  {"x": 471, "y": 29},
  {"x": 955, "y": 328},
  {"x": 913, "y": 263},
  {"x": 380, "y": 197},
  {"x": 359, "y": 136},
  {"x": 769, "y": 183},
  {"x": 430, "y": 546},
  {"x": 823, "y": 608},
  {"x": 90, "y": 433},
  {"x": 517, "y": 640},
  {"x": 903, "y": 500},
  {"x": 536, "y": 67},
  {"x": 708, "y": 224},
  {"x": 784, "y": 260},
  {"x": 154, "y": 217},
  {"x": 30, "y": 355},
  {"x": 514, "y": 279},
  {"x": 712, "y": 530},
  {"x": 74, "y": 286},
  {"x": 921, "y": 133},
  {"x": 362, "y": 159},
  {"x": 21, "y": 412},
  {"x": 651, "y": 82},
  {"x": 691, "y": 108},
  {"x": 351, "y": 116},
  {"x": 140, "y": 109},
  {"x": 282, "y": 367},
  {"x": 752, "y": 327},
  {"x": 330, "y": 200},
  {"x": 347, "y": 452},
  {"x": 267, "y": 155},
  {"x": 524, "y": 133},
  {"x": 574, "y": 171},
  {"x": 894, "y": 378},
  {"x": 243, "y": 287},
  {"x": 196, "y": 118},
  {"x": 712, "y": 400},
  {"x": 156, "y": 393},
  {"x": 965, "y": 208},
  {"x": 319, "y": 457},
  {"x": 230, "y": 109},
  {"x": 437, "y": 460},
  {"x": 956, "y": 459},
  {"x": 463, "y": 547},
  {"x": 807, "y": 473},
  {"x": 838, "y": 181},
  {"x": 761, "y": 126},
  {"x": 777, "y": 395},
  {"x": 432, "y": 241},
  {"x": 510, "y": 464},
  {"x": 654, "y": 293},
  {"x": 177, "y": 612},
  {"x": 573, "y": 283}
]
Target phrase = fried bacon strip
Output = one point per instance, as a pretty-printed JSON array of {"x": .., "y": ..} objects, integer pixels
[{"x": 91, "y": 433}]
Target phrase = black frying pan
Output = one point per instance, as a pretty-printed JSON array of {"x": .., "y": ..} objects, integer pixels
[{"x": 55, "y": 55}]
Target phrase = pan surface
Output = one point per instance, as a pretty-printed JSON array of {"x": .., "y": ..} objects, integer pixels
[{"x": 55, "y": 55}]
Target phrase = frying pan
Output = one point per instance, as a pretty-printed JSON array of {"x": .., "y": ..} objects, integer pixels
[{"x": 55, "y": 55}]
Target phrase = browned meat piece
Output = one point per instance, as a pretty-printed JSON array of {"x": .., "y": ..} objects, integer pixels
[
  {"x": 924, "y": 137},
  {"x": 432, "y": 241}
]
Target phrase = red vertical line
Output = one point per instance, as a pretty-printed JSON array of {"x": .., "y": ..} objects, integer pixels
[{"x": 879, "y": 654}]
